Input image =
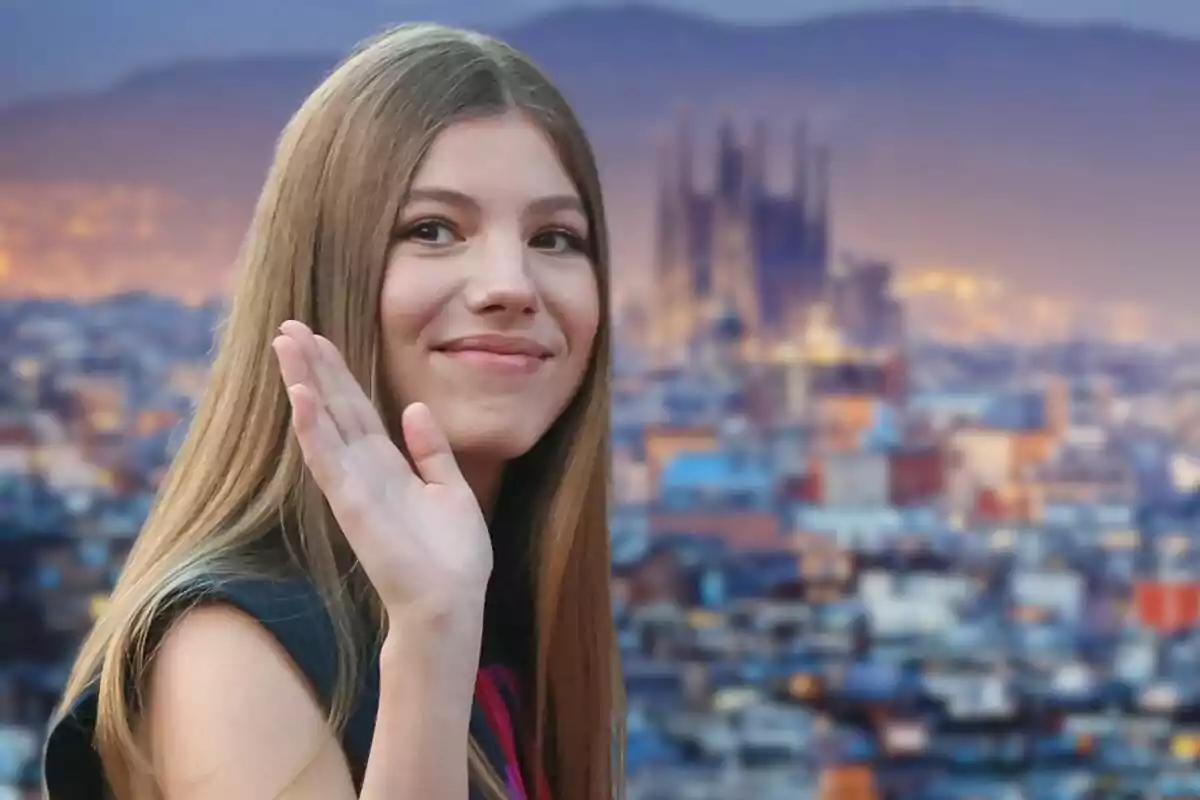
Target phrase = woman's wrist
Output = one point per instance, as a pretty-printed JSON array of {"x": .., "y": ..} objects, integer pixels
[
  {"x": 434, "y": 636},
  {"x": 456, "y": 612}
]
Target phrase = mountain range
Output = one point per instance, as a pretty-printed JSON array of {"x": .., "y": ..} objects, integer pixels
[{"x": 1062, "y": 158}]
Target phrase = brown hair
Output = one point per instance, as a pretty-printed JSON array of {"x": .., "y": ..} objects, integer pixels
[{"x": 316, "y": 252}]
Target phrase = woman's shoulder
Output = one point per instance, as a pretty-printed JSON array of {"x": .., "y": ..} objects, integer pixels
[
  {"x": 290, "y": 610},
  {"x": 235, "y": 633}
]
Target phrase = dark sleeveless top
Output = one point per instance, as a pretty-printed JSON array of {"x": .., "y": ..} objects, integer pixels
[{"x": 294, "y": 614}]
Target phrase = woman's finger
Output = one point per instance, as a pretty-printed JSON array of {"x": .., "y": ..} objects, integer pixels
[
  {"x": 428, "y": 447},
  {"x": 351, "y": 391},
  {"x": 320, "y": 442},
  {"x": 293, "y": 367},
  {"x": 325, "y": 381}
]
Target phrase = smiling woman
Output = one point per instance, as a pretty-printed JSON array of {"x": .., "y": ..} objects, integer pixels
[
  {"x": 490, "y": 303},
  {"x": 383, "y": 570}
]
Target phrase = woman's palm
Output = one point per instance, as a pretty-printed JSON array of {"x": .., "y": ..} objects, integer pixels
[{"x": 417, "y": 529}]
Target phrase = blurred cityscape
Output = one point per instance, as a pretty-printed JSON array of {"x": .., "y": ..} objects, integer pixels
[{"x": 859, "y": 552}]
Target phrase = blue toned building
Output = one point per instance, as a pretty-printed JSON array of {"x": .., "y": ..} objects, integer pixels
[{"x": 722, "y": 479}]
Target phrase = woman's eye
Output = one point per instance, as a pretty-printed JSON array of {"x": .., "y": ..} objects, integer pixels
[
  {"x": 431, "y": 232},
  {"x": 558, "y": 241}
]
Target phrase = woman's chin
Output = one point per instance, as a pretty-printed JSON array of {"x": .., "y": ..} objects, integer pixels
[{"x": 501, "y": 444}]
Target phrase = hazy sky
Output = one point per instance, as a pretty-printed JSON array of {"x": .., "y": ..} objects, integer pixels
[
  {"x": 48, "y": 46},
  {"x": 1018, "y": 203},
  {"x": 1173, "y": 16}
]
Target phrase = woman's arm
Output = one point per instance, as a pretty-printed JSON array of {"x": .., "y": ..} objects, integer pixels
[
  {"x": 229, "y": 716},
  {"x": 229, "y": 712},
  {"x": 425, "y": 694}
]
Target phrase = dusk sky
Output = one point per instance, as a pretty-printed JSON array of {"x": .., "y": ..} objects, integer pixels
[
  {"x": 48, "y": 47},
  {"x": 1069, "y": 171}
]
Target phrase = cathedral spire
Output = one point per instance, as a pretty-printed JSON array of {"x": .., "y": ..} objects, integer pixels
[
  {"x": 818, "y": 204},
  {"x": 757, "y": 166},
  {"x": 729, "y": 161},
  {"x": 800, "y": 166},
  {"x": 818, "y": 187},
  {"x": 668, "y": 200},
  {"x": 685, "y": 152}
]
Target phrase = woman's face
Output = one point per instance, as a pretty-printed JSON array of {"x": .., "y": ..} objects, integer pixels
[{"x": 490, "y": 304}]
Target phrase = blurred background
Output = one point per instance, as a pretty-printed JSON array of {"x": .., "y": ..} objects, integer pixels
[{"x": 907, "y": 386}]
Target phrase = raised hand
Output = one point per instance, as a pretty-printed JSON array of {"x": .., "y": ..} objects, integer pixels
[{"x": 417, "y": 529}]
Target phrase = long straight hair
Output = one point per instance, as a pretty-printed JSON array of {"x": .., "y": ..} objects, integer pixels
[{"x": 316, "y": 251}]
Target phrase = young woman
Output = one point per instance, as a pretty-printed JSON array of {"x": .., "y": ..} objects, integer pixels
[{"x": 379, "y": 564}]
